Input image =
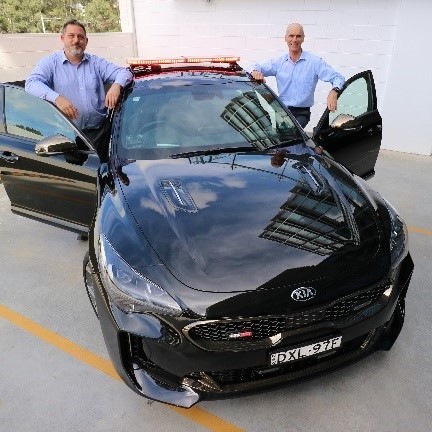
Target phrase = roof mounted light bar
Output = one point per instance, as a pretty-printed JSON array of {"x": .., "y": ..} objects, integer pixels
[{"x": 170, "y": 61}]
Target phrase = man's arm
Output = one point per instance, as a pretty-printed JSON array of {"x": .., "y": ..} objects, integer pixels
[
  {"x": 261, "y": 70},
  {"x": 113, "y": 95},
  {"x": 118, "y": 76},
  {"x": 332, "y": 100},
  {"x": 40, "y": 81},
  {"x": 67, "y": 107},
  {"x": 328, "y": 74}
]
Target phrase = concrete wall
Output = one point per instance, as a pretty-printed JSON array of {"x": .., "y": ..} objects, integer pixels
[
  {"x": 351, "y": 35},
  {"x": 20, "y": 52}
]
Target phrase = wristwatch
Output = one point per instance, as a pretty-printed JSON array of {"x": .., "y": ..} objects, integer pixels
[{"x": 336, "y": 89}]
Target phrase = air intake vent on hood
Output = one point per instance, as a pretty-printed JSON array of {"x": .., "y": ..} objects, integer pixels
[
  {"x": 178, "y": 196},
  {"x": 315, "y": 181}
]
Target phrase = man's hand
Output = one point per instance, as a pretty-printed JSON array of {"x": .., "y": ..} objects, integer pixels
[
  {"x": 332, "y": 100},
  {"x": 258, "y": 76},
  {"x": 67, "y": 107},
  {"x": 113, "y": 95},
  {"x": 319, "y": 149}
]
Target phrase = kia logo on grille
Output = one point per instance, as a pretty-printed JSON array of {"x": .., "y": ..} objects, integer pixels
[{"x": 303, "y": 294}]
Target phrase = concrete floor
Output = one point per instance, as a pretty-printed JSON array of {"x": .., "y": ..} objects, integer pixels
[{"x": 44, "y": 388}]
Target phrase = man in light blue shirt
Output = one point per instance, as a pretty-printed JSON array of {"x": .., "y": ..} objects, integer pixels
[
  {"x": 75, "y": 82},
  {"x": 297, "y": 74}
]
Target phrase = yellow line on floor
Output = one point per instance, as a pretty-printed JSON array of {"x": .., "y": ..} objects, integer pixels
[
  {"x": 195, "y": 414},
  {"x": 206, "y": 419},
  {"x": 419, "y": 230},
  {"x": 59, "y": 342}
]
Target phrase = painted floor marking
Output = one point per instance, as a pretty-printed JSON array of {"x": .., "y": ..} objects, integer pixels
[
  {"x": 419, "y": 230},
  {"x": 195, "y": 414}
]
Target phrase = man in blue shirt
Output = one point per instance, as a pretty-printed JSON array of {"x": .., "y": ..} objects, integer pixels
[
  {"x": 75, "y": 82},
  {"x": 297, "y": 74}
]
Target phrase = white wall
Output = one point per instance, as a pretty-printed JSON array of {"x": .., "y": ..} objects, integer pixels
[
  {"x": 407, "y": 103},
  {"x": 20, "y": 52},
  {"x": 390, "y": 37},
  {"x": 351, "y": 35}
]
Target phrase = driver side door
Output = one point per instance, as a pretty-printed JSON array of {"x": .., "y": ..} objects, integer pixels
[
  {"x": 59, "y": 189},
  {"x": 352, "y": 134}
]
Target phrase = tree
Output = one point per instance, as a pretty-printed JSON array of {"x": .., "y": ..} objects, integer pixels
[
  {"x": 102, "y": 16},
  {"x": 57, "y": 12},
  {"x": 39, "y": 15},
  {"x": 17, "y": 19}
]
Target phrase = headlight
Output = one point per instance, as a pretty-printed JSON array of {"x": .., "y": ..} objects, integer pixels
[
  {"x": 398, "y": 236},
  {"x": 131, "y": 291}
]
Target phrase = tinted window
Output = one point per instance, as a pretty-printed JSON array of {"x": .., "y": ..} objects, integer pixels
[
  {"x": 353, "y": 101},
  {"x": 33, "y": 118},
  {"x": 175, "y": 116}
]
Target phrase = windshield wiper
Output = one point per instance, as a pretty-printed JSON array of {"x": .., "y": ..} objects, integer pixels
[
  {"x": 213, "y": 151},
  {"x": 287, "y": 143}
]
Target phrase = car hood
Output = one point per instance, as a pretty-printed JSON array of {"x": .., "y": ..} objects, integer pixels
[{"x": 236, "y": 223}]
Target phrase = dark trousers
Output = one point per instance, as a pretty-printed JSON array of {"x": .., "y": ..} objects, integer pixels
[
  {"x": 302, "y": 114},
  {"x": 100, "y": 138}
]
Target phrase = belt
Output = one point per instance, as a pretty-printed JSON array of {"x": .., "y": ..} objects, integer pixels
[
  {"x": 90, "y": 129},
  {"x": 291, "y": 108}
]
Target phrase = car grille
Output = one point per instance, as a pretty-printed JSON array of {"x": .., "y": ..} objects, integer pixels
[
  {"x": 236, "y": 378},
  {"x": 254, "y": 333}
]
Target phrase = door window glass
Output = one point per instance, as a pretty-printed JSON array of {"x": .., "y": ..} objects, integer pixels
[
  {"x": 353, "y": 101},
  {"x": 30, "y": 117}
]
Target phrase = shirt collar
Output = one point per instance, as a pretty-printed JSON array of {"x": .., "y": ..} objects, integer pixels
[
  {"x": 303, "y": 56},
  {"x": 64, "y": 59}
]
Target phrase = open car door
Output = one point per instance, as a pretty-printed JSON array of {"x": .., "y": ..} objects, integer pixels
[
  {"x": 352, "y": 134},
  {"x": 47, "y": 166}
]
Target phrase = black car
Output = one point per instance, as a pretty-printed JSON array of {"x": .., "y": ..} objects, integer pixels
[{"x": 227, "y": 251}]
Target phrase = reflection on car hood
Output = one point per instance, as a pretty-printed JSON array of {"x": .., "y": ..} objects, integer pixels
[{"x": 236, "y": 223}]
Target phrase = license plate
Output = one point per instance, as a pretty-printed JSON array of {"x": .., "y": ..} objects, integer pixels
[{"x": 293, "y": 354}]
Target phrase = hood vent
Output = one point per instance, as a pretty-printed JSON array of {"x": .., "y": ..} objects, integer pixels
[
  {"x": 178, "y": 196},
  {"x": 315, "y": 181}
]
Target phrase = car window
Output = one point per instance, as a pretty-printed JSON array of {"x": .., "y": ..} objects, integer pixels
[
  {"x": 33, "y": 118},
  {"x": 353, "y": 101},
  {"x": 177, "y": 118}
]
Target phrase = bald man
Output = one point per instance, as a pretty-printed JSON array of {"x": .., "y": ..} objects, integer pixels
[{"x": 297, "y": 74}]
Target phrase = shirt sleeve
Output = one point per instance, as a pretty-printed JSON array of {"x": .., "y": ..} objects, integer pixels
[
  {"x": 40, "y": 82},
  {"x": 112, "y": 73},
  {"x": 268, "y": 68},
  {"x": 328, "y": 74}
]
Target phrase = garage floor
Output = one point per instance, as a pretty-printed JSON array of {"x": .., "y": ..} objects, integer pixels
[{"x": 55, "y": 374}]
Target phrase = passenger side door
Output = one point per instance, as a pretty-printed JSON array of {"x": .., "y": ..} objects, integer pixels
[
  {"x": 352, "y": 134},
  {"x": 59, "y": 189}
]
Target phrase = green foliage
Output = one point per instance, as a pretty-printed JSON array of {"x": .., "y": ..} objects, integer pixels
[
  {"x": 40, "y": 15},
  {"x": 102, "y": 16}
]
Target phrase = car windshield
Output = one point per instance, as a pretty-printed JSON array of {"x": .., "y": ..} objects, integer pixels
[{"x": 182, "y": 116}]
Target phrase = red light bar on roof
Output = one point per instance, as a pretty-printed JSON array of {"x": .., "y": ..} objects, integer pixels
[{"x": 149, "y": 62}]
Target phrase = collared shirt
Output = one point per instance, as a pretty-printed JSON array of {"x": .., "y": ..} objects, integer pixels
[
  {"x": 296, "y": 81},
  {"x": 82, "y": 84}
]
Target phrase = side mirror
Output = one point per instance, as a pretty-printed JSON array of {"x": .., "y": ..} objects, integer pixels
[
  {"x": 340, "y": 120},
  {"x": 55, "y": 145}
]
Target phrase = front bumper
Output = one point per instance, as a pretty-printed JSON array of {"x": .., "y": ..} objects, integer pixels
[{"x": 158, "y": 359}]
